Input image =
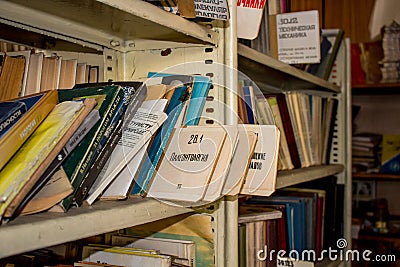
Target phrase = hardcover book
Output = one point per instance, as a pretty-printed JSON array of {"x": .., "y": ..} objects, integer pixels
[{"x": 38, "y": 107}]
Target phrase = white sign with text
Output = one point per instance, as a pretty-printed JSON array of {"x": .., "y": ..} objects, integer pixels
[{"x": 298, "y": 37}]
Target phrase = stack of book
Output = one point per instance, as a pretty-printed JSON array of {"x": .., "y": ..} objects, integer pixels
[
  {"x": 366, "y": 152},
  {"x": 390, "y": 64}
]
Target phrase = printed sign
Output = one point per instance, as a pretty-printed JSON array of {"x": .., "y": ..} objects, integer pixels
[
  {"x": 298, "y": 37},
  {"x": 212, "y": 9}
]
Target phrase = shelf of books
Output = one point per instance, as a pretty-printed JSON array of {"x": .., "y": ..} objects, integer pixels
[
  {"x": 292, "y": 177},
  {"x": 272, "y": 73},
  {"x": 47, "y": 229},
  {"x": 119, "y": 25}
]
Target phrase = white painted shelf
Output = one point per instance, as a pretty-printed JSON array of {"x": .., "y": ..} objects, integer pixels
[
  {"x": 27, "y": 233},
  {"x": 116, "y": 24},
  {"x": 265, "y": 70},
  {"x": 297, "y": 176}
]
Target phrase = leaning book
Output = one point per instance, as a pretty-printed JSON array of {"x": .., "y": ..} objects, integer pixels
[
  {"x": 38, "y": 107},
  {"x": 29, "y": 162}
]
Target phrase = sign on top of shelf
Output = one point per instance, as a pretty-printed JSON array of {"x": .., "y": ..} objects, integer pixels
[
  {"x": 298, "y": 37},
  {"x": 249, "y": 15},
  {"x": 212, "y": 9}
]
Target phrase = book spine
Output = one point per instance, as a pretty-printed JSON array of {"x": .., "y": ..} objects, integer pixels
[
  {"x": 10, "y": 119},
  {"x": 98, "y": 164},
  {"x": 84, "y": 163}
]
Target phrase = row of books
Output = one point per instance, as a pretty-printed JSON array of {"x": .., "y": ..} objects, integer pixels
[
  {"x": 27, "y": 72},
  {"x": 174, "y": 243},
  {"x": 305, "y": 122},
  {"x": 142, "y": 140},
  {"x": 291, "y": 220}
]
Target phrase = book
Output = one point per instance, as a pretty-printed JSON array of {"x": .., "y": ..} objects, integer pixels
[
  {"x": 78, "y": 163},
  {"x": 183, "y": 249},
  {"x": 261, "y": 176},
  {"x": 10, "y": 113},
  {"x": 67, "y": 73},
  {"x": 56, "y": 188},
  {"x": 38, "y": 107},
  {"x": 139, "y": 131},
  {"x": 81, "y": 73},
  {"x": 73, "y": 142},
  {"x": 249, "y": 99},
  {"x": 122, "y": 112},
  {"x": 38, "y": 151},
  {"x": 50, "y": 73},
  {"x": 123, "y": 181},
  {"x": 188, "y": 163},
  {"x": 26, "y": 54},
  {"x": 220, "y": 174},
  {"x": 247, "y": 140},
  {"x": 11, "y": 77},
  {"x": 34, "y": 75},
  {"x": 174, "y": 108},
  {"x": 391, "y": 153}
]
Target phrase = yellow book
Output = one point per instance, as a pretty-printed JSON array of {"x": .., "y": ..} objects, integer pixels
[{"x": 35, "y": 150}]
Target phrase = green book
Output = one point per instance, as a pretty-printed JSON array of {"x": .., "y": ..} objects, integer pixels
[{"x": 78, "y": 163}]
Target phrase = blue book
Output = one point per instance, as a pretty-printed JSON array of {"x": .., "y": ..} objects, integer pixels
[
  {"x": 201, "y": 86},
  {"x": 10, "y": 113},
  {"x": 159, "y": 142},
  {"x": 249, "y": 103}
]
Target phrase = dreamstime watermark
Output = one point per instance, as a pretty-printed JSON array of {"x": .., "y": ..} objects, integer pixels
[{"x": 332, "y": 254}]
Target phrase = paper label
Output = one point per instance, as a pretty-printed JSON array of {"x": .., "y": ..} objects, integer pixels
[
  {"x": 298, "y": 37},
  {"x": 212, "y": 9}
]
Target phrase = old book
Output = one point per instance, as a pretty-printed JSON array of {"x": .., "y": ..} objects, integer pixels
[
  {"x": 261, "y": 176},
  {"x": 50, "y": 73},
  {"x": 78, "y": 163},
  {"x": 11, "y": 77},
  {"x": 174, "y": 108},
  {"x": 10, "y": 113},
  {"x": 188, "y": 163},
  {"x": 122, "y": 112},
  {"x": 80, "y": 73},
  {"x": 67, "y": 73},
  {"x": 123, "y": 181},
  {"x": 220, "y": 174},
  {"x": 141, "y": 128},
  {"x": 183, "y": 249},
  {"x": 240, "y": 161},
  {"x": 54, "y": 166},
  {"x": 26, "y": 54},
  {"x": 38, "y": 152},
  {"x": 34, "y": 73},
  {"x": 38, "y": 106},
  {"x": 56, "y": 188}
]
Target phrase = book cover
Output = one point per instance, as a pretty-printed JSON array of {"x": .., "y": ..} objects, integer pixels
[
  {"x": 34, "y": 156},
  {"x": 220, "y": 174},
  {"x": 391, "y": 153},
  {"x": 139, "y": 131},
  {"x": 248, "y": 97},
  {"x": 132, "y": 160},
  {"x": 188, "y": 163},
  {"x": 34, "y": 75},
  {"x": 26, "y": 54},
  {"x": 174, "y": 108},
  {"x": 247, "y": 140},
  {"x": 10, "y": 113},
  {"x": 78, "y": 163},
  {"x": 261, "y": 176},
  {"x": 38, "y": 107}
]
